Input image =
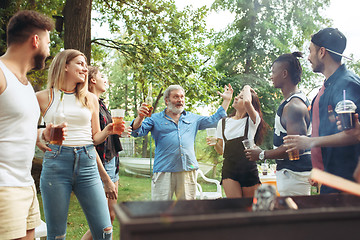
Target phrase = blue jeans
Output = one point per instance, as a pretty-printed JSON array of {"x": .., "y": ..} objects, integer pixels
[
  {"x": 110, "y": 168},
  {"x": 66, "y": 169}
]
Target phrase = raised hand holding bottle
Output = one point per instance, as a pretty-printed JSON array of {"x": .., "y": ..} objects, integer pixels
[{"x": 149, "y": 101}]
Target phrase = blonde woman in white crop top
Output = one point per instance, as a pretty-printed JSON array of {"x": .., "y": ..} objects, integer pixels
[{"x": 72, "y": 167}]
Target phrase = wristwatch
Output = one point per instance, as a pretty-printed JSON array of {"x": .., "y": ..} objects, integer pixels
[{"x": 262, "y": 155}]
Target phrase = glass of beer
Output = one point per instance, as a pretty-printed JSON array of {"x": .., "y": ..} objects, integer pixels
[
  {"x": 294, "y": 155},
  {"x": 56, "y": 135},
  {"x": 211, "y": 138},
  {"x": 118, "y": 118},
  {"x": 345, "y": 109}
]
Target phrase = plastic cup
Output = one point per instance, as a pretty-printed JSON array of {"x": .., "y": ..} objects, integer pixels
[
  {"x": 248, "y": 143},
  {"x": 345, "y": 109},
  {"x": 125, "y": 133},
  {"x": 211, "y": 132},
  {"x": 117, "y": 118}
]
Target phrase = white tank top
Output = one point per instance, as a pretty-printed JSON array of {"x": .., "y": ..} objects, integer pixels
[
  {"x": 77, "y": 116},
  {"x": 19, "y": 115}
]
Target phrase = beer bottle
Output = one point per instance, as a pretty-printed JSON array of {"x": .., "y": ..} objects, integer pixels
[
  {"x": 149, "y": 100},
  {"x": 56, "y": 133}
]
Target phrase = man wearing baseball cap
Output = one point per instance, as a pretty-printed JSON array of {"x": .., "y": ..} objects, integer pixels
[{"x": 326, "y": 51}]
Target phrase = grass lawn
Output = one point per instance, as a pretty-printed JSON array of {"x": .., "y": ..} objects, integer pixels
[{"x": 131, "y": 188}]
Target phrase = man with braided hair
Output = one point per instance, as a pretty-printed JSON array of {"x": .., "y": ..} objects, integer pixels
[{"x": 292, "y": 117}]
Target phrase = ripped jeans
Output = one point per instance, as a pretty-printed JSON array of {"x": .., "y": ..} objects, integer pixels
[{"x": 66, "y": 169}]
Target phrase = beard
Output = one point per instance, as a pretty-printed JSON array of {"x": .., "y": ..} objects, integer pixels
[
  {"x": 172, "y": 108},
  {"x": 318, "y": 68},
  {"x": 39, "y": 61}
]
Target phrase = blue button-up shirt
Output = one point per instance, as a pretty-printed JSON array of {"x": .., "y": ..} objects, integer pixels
[
  {"x": 340, "y": 161},
  {"x": 174, "y": 151}
]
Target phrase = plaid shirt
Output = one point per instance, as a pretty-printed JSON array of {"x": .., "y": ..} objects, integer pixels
[{"x": 111, "y": 146}]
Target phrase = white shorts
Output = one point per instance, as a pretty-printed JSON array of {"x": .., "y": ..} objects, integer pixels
[
  {"x": 165, "y": 184},
  {"x": 290, "y": 183},
  {"x": 19, "y": 211}
]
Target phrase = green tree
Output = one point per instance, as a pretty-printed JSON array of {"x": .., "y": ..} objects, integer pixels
[
  {"x": 48, "y": 7},
  {"x": 122, "y": 92},
  {"x": 162, "y": 45},
  {"x": 7, "y": 9},
  {"x": 263, "y": 30}
]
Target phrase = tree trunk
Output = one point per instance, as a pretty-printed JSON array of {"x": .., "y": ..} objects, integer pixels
[
  {"x": 77, "y": 26},
  {"x": 158, "y": 99}
]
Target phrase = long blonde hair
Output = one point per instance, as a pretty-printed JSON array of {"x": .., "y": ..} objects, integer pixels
[{"x": 56, "y": 76}]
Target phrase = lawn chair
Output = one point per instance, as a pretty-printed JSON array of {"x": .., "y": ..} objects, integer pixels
[{"x": 207, "y": 195}]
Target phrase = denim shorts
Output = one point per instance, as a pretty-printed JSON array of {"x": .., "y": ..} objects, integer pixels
[
  {"x": 73, "y": 169},
  {"x": 110, "y": 168}
]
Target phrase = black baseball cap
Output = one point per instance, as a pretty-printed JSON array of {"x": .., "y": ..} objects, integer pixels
[{"x": 331, "y": 39}]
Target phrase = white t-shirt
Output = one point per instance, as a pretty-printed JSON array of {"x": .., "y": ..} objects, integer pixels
[{"x": 235, "y": 128}]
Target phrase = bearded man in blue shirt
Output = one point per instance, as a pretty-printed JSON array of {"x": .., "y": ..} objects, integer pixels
[{"x": 174, "y": 131}]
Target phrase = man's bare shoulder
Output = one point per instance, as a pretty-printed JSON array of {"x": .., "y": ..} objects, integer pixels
[{"x": 296, "y": 108}]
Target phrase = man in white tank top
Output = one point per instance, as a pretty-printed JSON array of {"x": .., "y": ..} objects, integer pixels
[{"x": 28, "y": 47}]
